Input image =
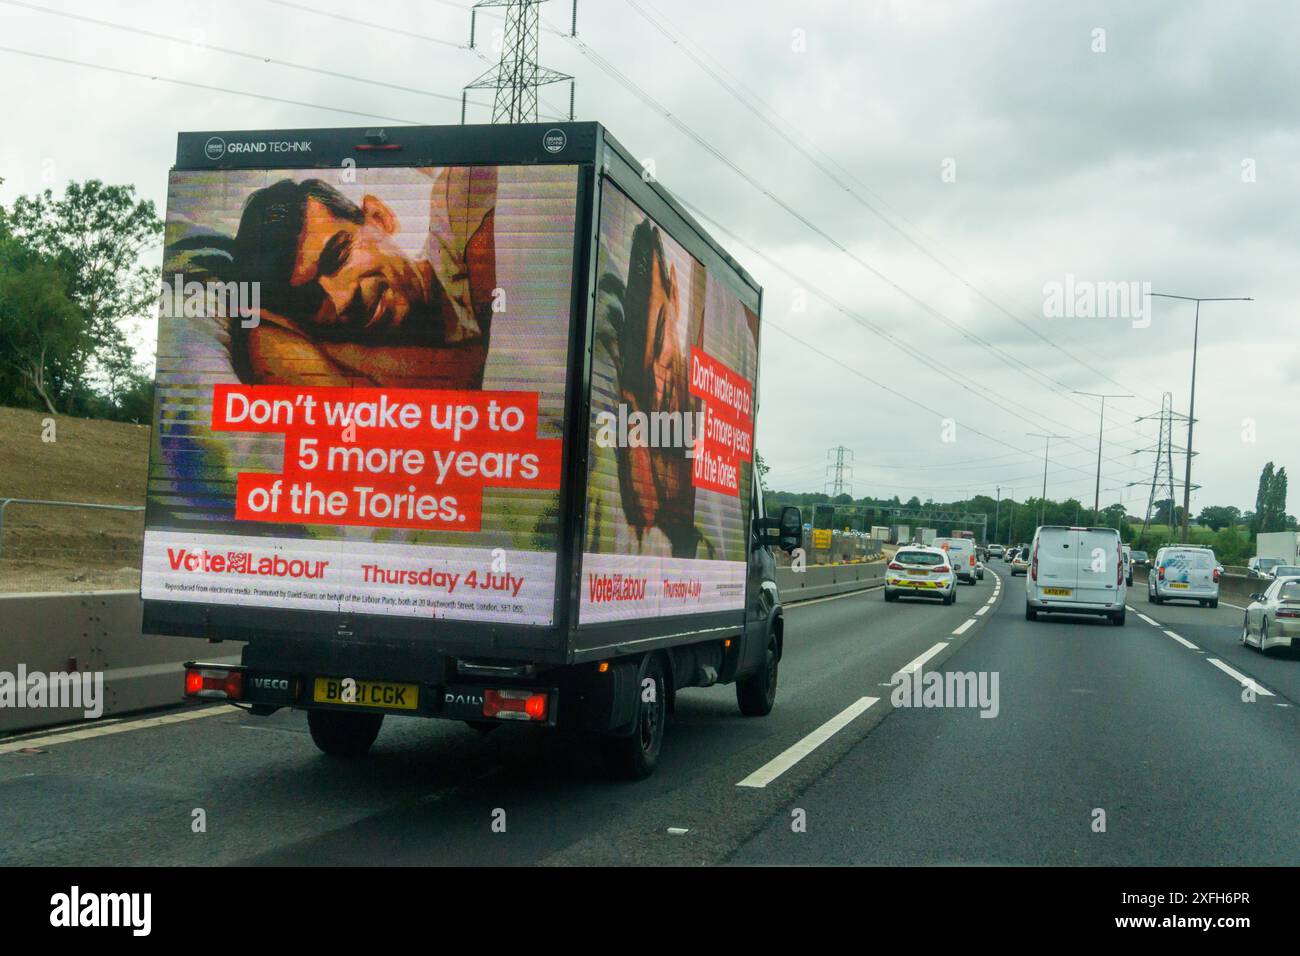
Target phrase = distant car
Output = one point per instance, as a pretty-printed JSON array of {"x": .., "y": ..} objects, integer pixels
[
  {"x": 996, "y": 551},
  {"x": 1076, "y": 571},
  {"x": 1263, "y": 567},
  {"x": 1186, "y": 574},
  {"x": 979, "y": 570},
  {"x": 1019, "y": 562},
  {"x": 961, "y": 551},
  {"x": 922, "y": 572},
  {"x": 1273, "y": 617},
  {"x": 1286, "y": 571},
  {"x": 1140, "y": 559}
]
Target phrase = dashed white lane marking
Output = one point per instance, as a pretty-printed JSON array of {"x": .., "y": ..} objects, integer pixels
[
  {"x": 979, "y": 613},
  {"x": 1147, "y": 619},
  {"x": 1241, "y": 678},
  {"x": 919, "y": 662},
  {"x": 992, "y": 600},
  {"x": 91, "y": 732},
  {"x": 792, "y": 755},
  {"x": 1183, "y": 641},
  {"x": 963, "y": 628}
]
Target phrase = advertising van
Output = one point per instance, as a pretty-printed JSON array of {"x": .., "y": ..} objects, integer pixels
[{"x": 456, "y": 422}]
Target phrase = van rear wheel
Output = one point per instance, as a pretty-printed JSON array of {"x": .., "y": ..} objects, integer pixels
[
  {"x": 634, "y": 756},
  {"x": 342, "y": 734}
]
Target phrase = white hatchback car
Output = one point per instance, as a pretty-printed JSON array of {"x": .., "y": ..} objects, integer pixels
[
  {"x": 1075, "y": 571},
  {"x": 921, "y": 571}
]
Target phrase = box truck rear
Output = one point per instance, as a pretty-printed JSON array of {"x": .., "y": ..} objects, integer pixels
[{"x": 456, "y": 422}]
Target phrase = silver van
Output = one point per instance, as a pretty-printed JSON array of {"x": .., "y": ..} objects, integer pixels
[
  {"x": 1075, "y": 571},
  {"x": 1184, "y": 573}
]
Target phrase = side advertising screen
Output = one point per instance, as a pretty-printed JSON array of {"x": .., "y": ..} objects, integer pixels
[
  {"x": 361, "y": 391},
  {"x": 675, "y": 357}
]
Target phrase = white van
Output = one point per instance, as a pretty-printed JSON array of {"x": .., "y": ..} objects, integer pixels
[
  {"x": 961, "y": 553},
  {"x": 1075, "y": 571},
  {"x": 1184, "y": 573}
]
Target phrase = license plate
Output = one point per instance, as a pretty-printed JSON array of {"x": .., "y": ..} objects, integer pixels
[
  {"x": 366, "y": 693},
  {"x": 1057, "y": 592},
  {"x": 918, "y": 574},
  {"x": 1178, "y": 584}
]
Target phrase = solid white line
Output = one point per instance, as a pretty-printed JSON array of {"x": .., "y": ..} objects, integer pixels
[
  {"x": 919, "y": 662},
  {"x": 965, "y": 627},
  {"x": 792, "y": 755},
  {"x": 121, "y": 728},
  {"x": 1237, "y": 606},
  {"x": 1182, "y": 640},
  {"x": 978, "y": 613},
  {"x": 830, "y": 597},
  {"x": 1147, "y": 619},
  {"x": 1241, "y": 678}
]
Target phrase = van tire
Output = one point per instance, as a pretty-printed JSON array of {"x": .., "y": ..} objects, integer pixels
[
  {"x": 342, "y": 734},
  {"x": 1117, "y": 619},
  {"x": 1030, "y": 613},
  {"x": 756, "y": 694},
  {"x": 1214, "y": 602},
  {"x": 634, "y": 756}
]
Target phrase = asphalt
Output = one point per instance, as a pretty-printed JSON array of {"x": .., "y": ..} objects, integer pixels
[{"x": 1127, "y": 720}]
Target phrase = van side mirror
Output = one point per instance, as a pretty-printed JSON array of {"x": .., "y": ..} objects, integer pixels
[{"x": 785, "y": 532}]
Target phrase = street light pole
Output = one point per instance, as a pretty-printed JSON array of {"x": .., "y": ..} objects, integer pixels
[
  {"x": 1101, "y": 427},
  {"x": 997, "y": 511},
  {"x": 1042, "y": 502},
  {"x": 1191, "y": 402}
]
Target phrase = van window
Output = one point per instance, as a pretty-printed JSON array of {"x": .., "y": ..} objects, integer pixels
[{"x": 1192, "y": 560}]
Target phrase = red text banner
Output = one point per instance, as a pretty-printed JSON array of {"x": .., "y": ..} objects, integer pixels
[
  {"x": 728, "y": 424},
  {"x": 386, "y": 457}
]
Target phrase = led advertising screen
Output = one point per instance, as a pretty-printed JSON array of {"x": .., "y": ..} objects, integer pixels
[
  {"x": 675, "y": 357},
  {"x": 361, "y": 390}
]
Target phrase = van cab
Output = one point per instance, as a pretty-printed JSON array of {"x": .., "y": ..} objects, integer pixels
[
  {"x": 961, "y": 553},
  {"x": 1075, "y": 571},
  {"x": 1185, "y": 574}
]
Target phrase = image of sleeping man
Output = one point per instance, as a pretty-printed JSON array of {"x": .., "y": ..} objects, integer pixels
[{"x": 344, "y": 304}]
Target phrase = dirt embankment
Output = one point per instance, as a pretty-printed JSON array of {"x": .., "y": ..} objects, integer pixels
[{"x": 70, "y": 549}]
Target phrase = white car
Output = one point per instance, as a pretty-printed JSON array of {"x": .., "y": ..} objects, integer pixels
[
  {"x": 1019, "y": 562},
  {"x": 1273, "y": 618},
  {"x": 1075, "y": 571},
  {"x": 921, "y": 572},
  {"x": 1184, "y": 573}
]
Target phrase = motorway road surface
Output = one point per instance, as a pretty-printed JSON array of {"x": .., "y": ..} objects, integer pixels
[{"x": 1130, "y": 721}]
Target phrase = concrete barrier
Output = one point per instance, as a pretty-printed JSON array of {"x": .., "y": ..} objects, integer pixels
[
  {"x": 824, "y": 581},
  {"x": 99, "y": 632}
]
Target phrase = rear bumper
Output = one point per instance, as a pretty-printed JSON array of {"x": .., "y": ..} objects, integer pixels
[
  {"x": 920, "y": 588},
  {"x": 266, "y": 691},
  {"x": 1168, "y": 593},
  {"x": 1074, "y": 607}
]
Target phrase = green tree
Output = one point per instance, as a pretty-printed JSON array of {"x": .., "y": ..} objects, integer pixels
[
  {"x": 1219, "y": 516},
  {"x": 44, "y": 336},
  {"x": 97, "y": 234},
  {"x": 1270, "y": 501}
]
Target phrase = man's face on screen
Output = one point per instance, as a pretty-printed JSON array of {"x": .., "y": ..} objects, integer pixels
[
  {"x": 368, "y": 284},
  {"x": 662, "y": 359}
]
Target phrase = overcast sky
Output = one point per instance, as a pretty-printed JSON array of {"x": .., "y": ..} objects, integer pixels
[{"x": 970, "y": 155}]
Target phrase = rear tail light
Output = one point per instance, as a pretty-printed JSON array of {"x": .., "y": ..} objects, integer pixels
[
  {"x": 1288, "y": 612},
  {"x": 1034, "y": 568},
  {"x": 214, "y": 683},
  {"x": 1216, "y": 575},
  {"x": 1119, "y": 568},
  {"x": 1161, "y": 573},
  {"x": 895, "y": 566},
  {"x": 514, "y": 704}
]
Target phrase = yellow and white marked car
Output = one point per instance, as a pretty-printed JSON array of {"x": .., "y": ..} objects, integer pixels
[{"x": 921, "y": 572}]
